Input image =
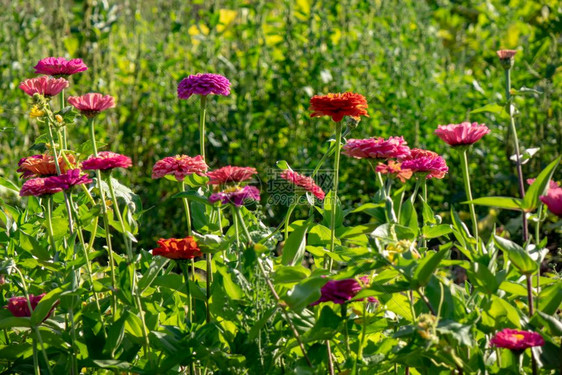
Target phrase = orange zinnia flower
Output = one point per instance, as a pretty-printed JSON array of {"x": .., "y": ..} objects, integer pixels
[
  {"x": 43, "y": 165},
  {"x": 339, "y": 105},
  {"x": 173, "y": 248}
]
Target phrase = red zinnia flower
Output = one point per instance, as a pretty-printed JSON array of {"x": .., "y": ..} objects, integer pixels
[
  {"x": 461, "y": 134},
  {"x": 303, "y": 181},
  {"x": 179, "y": 166},
  {"x": 236, "y": 195},
  {"x": 516, "y": 340},
  {"x": 338, "y": 105},
  {"x": 376, "y": 148},
  {"x": 43, "y": 165},
  {"x": 18, "y": 305},
  {"x": 90, "y": 105},
  {"x": 230, "y": 173},
  {"x": 394, "y": 169},
  {"x": 38, "y": 187},
  {"x": 425, "y": 162},
  {"x": 553, "y": 200},
  {"x": 107, "y": 160},
  {"x": 173, "y": 248},
  {"x": 45, "y": 86},
  {"x": 59, "y": 66}
]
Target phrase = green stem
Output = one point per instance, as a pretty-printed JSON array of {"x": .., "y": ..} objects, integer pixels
[
  {"x": 36, "y": 369},
  {"x": 345, "y": 329},
  {"x": 424, "y": 191},
  {"x": 64, "y": 133},
  {"x": 202, "y": 113},
  {"x": 362, "y": 340},
  {"x": 243, "y": 224},
  {"x": 236, "y": 229},
  {"x": 189, "y": 317},
  {"x": 463, "y": 153},
  {"x": 50, "y": 224},
  {"x": 537, "y": 241},
  {"x": 209, "y": 277},
  {"x": 334, "y": 195},
  {"x": 186, "y": 208},
  {"x": 288, "y": 217}
]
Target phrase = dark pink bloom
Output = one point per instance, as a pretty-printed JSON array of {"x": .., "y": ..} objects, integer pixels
[
  {"x": 516, "y": 340},
  {"x": 506, "y": 54},
  {"x": 38, "y": 187},
  {"x": 90, "y": 105},
  {"x": 203, "y": 84},
  {"x": 339, "y": 291},
  {"x": 18, "y": 305},
  {"x": 425, "y": 162},
  {"x": 236, "y": 195},
  {"x": 44, "y": 85},
  {"x": 303, "y": 181},
  {"x": 230, "y": 173},
  {"x": 59, "y": 66},
  {"x": 67, "y": 180},
  {"x": 107, "y": 160},
  {"x": 461, "y": 134},
  {"x": 551, "y": 185},
  {"x": 553, "y": 200},
  {"x": 376, "y": 148},
  {"x": 179, "y": 166}
]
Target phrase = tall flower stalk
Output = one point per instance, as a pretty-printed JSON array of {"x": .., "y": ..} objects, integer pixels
[{"x": 463, "y": 154}]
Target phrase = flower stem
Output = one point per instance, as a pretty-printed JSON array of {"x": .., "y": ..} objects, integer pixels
[
  {"x": 64, "y": 133},
  {"x": 288, "y": 217},
  {"x": 50, "y": 225},
  {"x": 359, "y": 356},
  {"x": 334, "y": 195},
  {"x": 209, "y": 277},
  {"x": 345, "y": 329},
  {"x": 186, "y": 208},
  {"x": 463, "y": 153},
  {"x": 184, "y": 268},
  {"x": 202, "y": 113}
]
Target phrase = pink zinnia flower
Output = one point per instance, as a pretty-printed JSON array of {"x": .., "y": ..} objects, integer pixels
[
  {"x": 18, "y": 305},
  {"x": 38, "y": 187},
  {"x": 506, "y": 54},
  {"x": 179, "y": 166},
  {"x": 230, "y": 173},
  {"x": 59, "y": 66},
  {"x": 236, "y": 195},
  {"x": 551, "y": 184},
  {"x": 342, "y": 291},
  {"x": 516, "y": 340},
  {"x": 394, "y": 169},
  {"x": 68, "y": 180},
  {"x": 553, "y": 200},
  {"x": 107, "y": 160},
  {"x": 303, "y": 181},
  {"x": 461, "y": 134},
  {"x": 203, "y": 84},
  {"x": 376, "y": 148},
  {"x": 44, "y": 85},
  {"x": 90, "y": 105},
  {"x": 425, "y": 162}
]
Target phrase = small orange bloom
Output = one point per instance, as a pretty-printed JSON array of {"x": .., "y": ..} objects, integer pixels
[
  {"x": 395, "y": 169},
  {"x": 337, "y": 106},
  {"x": 173, "y": 248},
  {"x": 43, "y": 165}
]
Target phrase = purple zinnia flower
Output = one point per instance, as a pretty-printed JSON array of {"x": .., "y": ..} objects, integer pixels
[
  {"x": 236, "y": 195},
  {"x": 107, "y": 160},
  {"x": 38, "y": 187},
  {"x": 59, "y": 66},
  {"x": 67, "y": 180},
  {"x": 203, "y": 84}
]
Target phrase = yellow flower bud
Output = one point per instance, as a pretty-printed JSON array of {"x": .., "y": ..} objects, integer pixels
[
  {"x": 36, "y": 112},
  {"x": 59, "y": 119}
]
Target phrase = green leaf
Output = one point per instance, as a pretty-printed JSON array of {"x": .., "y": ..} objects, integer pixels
[
  {"x": 305, "y": 293},
  {"x": 491, "y": 108},
  {"x": 393, "y": 232},
  {"x": 115, "y": 335},
  {"x": 517, "y": 255},
  {"x": 409, "y": 216},
  {"x": 481, "y": 277},
  {"x": 45, "y": 306},
  {"x": 507, "y": 203},
  {"x": 327, "y": 216},
  {"x": 294, "y": 248},
  {"x": 539, "y": 186},
  {"x": 194, "y": 180},
  {"x": 152, "y": 272},
  {"x": 436, "y": 230},
  {"x": 290, "y": 274},
  {"x": 9, "y": 185},
  {"x": 15, "y": 322},
  {"x": 426, "y": 267},
  {"x": 427, "y": 213},
  {"x": 193, "y": 196},
  {"x": 282, "y": 164},
  {"x": 550, "y": 298}
]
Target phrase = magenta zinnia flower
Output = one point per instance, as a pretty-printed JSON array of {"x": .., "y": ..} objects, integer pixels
[
  {"x": 44, "y": 85},
  {"x": 230, "y": 173},
  {"x": 203, "y": 84},
  {"x": 425, "y": 162},
  {"x": 68, "y": 180},
  {"x": 90, "y": 105},
  {"x": 59, "y": 66},
  {"x": 553, "y": 200},
  {"x": 107, "y": 160},
  {"x": 516, "y": 340},
  {"x": 236, "y": 195},
  {"x": 342, "y": 291},
  {"x": 462, "y": 134},
  {"x": 18, "y": 305},
  {"x": 376, "y": 148},
  {"x": 303, "y": 181},
  {"x": 38, "y": 187},
  {"x": 179, "y": 166}
]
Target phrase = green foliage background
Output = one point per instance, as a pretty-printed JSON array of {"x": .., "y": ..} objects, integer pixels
[{"x": 419, "y": 63}]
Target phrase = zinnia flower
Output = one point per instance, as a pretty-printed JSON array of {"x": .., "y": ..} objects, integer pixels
[
  {"x": 43, "y": 165},
  {"x": 394, "y": 169},
  {"x": 303, "y": 181},
  {"x": 229, "y": 174},
  {"x": 179, "y": 166},
  {"x": 551, "y": 184},
  {"x": 90, "y": 105},
  {"x": 342, "y": 291},
  {"x": 68, "y": 180},
  {"x": 337, "y": 106},
  {"x": 377, "y": 148},
  {"x": 516, "y": 340},
  {"x": 107, "y": 160},
  {"x": 425, "y": 162},
  {"x": 44, "y": 85},
  {"x": 553, "y": 200},
  {"x": 59, "y": 66},
  {"x": 18, "y": 305},
  {"x": 38, "y": 187},
  {"x": 173, "y": 248},
  {"x": 236, "y": 195},
  {"x": 506, "y": 54},
  {"x": 203, "y": 84},
  {"x": 461, "y": 134}
]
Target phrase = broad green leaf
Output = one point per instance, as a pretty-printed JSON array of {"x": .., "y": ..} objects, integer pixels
[
  {"x": 9, "y": 185},
  {"x": 294, "y": 248},
  {"x": 500, "y": 202},
  {"x": 45, "y": 306},
  {"x": 490, "y": 108},
  {"x": 193, "y": 196},
  {"x": 154, "y": 269},
  {"x": 15, "y": 322},
  {"x": 115, "y": 335},
  {"x": 517, "y": 255},
  {"x": 550, "y": 298},
  {"x": 436, "y": 230},
  {"x": 393, "y": 232},
  {"x": 409, "y": 216},
  {"x": 327, "y": 216},
  {"x": 539, "y": 187},
  {"x": 426, "y": 267},
  {"x": 481, "y": 277},
  {"x": 290, "y": 274},
  {"x": 282, "y": 164},
  {"x": 305, "y": 293}
]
